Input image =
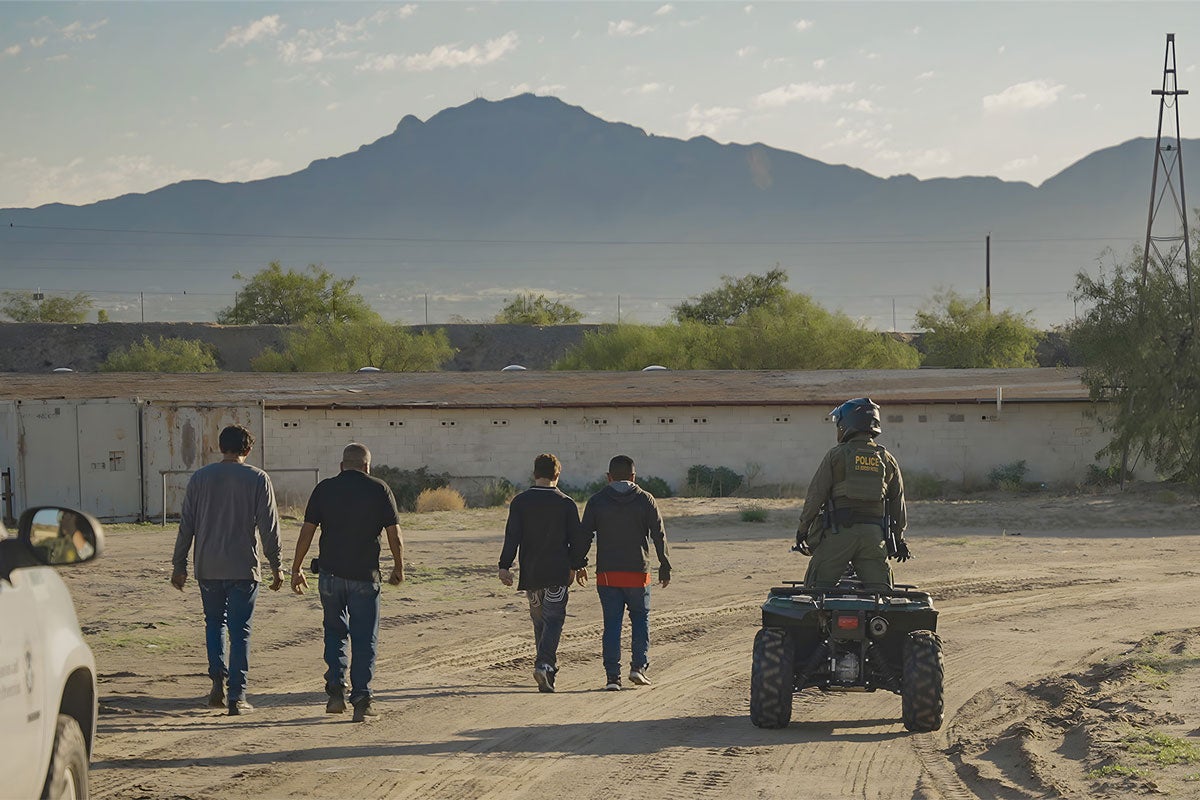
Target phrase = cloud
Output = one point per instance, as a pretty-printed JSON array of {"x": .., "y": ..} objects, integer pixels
[
  {"x": 793, "y": 92},
  {"x": 80, "y": 32},
  {"x": 14, "y": 50},
  {"x": 819, "y": 63},
  {"x": 748, "y": 50},
  {"x": 1023, "y": 97},
  {"x": 706, "y": 121},
  {"x": 862, "y": 104},
  {"x": 748, "y": 9},
  {"x": 924, "y": 76},
  {"x": 803, "y": 24},
  {"x": 917, "y": 159},
  {"x": 1000, "y": 50},
  {"x": 1018, "y": 164},
  {"x": 59, "y": 57},
  {"x": 645, "y": 88},
  {"x": 663, "y": 10},
  {"x": 445, "y": 56},
  {"x": 628, "y": 27},
  {"x": 241, "y": 35},
  {"x": 915, "y": 30},
  {"x": 38, "y": 41}
]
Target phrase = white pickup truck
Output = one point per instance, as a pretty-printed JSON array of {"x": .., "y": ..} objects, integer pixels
[{"x": 47, "y": 672}]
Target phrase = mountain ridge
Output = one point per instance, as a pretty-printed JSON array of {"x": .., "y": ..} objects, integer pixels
[{"x": 581, "y": 204}]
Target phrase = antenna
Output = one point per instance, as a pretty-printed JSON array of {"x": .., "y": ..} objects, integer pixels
[{"x": 1167, "y": 239}]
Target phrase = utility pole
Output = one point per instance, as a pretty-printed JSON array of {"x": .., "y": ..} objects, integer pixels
[
  {"x": 427, "y": 308},
  {"x": 987, "y": 272},
  {"x": 1172, "y": 235}
]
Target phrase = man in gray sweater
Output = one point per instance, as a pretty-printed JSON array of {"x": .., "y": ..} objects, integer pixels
[{"x": 223, "y": 504}]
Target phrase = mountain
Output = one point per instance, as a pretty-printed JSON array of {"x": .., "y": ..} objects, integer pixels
[{"x": 533, "y": 192}]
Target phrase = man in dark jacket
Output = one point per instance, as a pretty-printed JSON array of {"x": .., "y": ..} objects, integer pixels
[
  {"x": 625, "y": 520},
  {"x": 541, "y": 523}
]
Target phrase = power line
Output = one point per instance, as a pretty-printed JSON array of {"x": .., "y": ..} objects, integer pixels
[{"x": 565, "y": 242}]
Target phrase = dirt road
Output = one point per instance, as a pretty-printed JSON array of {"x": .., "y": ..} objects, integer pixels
[{"x": 1054, "y": 675}]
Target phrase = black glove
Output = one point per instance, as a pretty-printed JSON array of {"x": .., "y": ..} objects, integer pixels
[
  {"x": 902, "y": 553},
  {"x": 802, "y": 546}
]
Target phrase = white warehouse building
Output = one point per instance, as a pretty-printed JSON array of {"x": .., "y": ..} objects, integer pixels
[{"x": 119, "y": 444}]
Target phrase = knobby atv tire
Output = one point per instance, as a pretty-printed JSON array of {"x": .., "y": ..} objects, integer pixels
[
  {"x": 772, "y": 679},
  {"x": 921, "y": 682},
  {"x": 68, "y": 775}
]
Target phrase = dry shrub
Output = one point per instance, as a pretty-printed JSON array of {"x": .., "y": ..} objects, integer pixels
[{"x": 442, "y": 499}]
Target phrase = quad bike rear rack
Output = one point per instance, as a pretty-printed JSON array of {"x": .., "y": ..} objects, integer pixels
[{"x": 849, "y": 589}]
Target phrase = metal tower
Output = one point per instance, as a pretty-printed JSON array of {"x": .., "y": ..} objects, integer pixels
[{"x": 1167, "y": 239}]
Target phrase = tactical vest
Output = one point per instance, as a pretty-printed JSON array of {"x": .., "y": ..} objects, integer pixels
[{"x": 860, "y": 481}]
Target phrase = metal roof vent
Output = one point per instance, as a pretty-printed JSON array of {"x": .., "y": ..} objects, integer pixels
[
  {"x": 368, "y": 369},
  {"x": 653, "y": 368},
  {"x": 62, "y": 369},
  {"x": 513, "y": 368}
]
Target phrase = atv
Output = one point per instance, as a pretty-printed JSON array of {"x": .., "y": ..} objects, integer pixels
[{"x": 848, "y": 639}]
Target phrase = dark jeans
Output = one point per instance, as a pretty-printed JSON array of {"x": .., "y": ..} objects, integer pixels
[
  {"x": 548, "y": 610},
  {"x": 613, "y": 602},
  {"x": 228, "y": 604},
  {"x": 351, "y": 609}
]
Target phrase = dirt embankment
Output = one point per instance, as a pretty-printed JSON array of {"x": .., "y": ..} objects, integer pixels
[{"x": 43, "y": 346}]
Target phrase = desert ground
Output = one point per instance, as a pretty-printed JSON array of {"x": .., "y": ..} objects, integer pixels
[{"x": 1069, "y": 626}]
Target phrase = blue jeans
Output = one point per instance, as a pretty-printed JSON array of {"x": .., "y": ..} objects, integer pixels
[
  {"x": 548, "y": 610},
  {"x": 228, "y": 604},
  {"x": 351, "y": 609},
  {"x": 613, "y": 602}
]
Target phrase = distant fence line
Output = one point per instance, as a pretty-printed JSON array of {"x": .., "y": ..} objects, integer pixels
[{"x": 884, "y": 312}]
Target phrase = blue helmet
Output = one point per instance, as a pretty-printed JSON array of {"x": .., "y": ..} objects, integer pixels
[{"x": 860, "y": 415}]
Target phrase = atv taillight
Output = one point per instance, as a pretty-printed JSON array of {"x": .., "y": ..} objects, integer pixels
[{"x": 847, "y": 623}]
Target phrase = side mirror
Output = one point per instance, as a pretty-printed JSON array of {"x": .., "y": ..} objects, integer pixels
[{"x": 59, "y": 536}]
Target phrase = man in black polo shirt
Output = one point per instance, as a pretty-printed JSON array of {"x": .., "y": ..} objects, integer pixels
[
  {"x": 352, "y": 509},
  {"x": 541, "y": 523}
]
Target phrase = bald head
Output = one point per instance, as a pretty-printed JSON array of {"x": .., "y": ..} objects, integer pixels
[{"x": 356, "y": 456}]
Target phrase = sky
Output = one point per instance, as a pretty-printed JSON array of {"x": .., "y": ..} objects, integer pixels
[{"x": 102, "y": 99}]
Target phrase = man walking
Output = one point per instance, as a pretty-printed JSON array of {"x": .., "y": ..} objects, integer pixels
[
  {"x": 541, "y": 523},
  {"x": 223, "y": 504},
  {"x": 352, "y": 510},
  {"x": 624, "y": 520}
]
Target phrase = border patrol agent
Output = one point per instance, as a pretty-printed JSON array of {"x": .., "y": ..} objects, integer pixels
[{"x": 854, "y": 512}]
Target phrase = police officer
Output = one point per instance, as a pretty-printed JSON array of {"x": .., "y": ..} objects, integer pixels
[{"x": 855, "y": 498}]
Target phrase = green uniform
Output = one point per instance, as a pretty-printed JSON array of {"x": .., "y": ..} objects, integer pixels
[{"x": 858, "y": 476}]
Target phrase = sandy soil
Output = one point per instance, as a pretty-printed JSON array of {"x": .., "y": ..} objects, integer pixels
[{"x": 1071, "y": 671}]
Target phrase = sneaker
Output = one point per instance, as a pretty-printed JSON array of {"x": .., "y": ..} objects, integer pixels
[
  {"x": 614, "y": 683},
  {"x": 216, "y": 698},
  {"x": 336, "y": 703},
  {"x": 544, "y": 675},
  {"x": 238, "y": 707},
  {"x": 363, "y": 709},
  {"x": 638, "y": 676}
]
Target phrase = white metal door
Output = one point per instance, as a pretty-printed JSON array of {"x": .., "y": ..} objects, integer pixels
[
  {"x": 48, "y": 442},
  {"x": 109, "y": 459}
]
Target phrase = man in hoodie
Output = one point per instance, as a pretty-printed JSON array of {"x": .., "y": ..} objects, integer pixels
[
  {"x": 541, "y": 522},
  {"x": 624, "y": 520}
]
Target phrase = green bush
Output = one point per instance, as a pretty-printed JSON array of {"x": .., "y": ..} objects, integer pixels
[
  {"x": 1104, "y": 476},
  {"x": 499, "y": 492},
  {"x": 706, "y": 481},
  {"x": 923, "y": 486},
  {"x": 165, "y": 355},
  {"x": 754, "y": 514},
  {"x": 654, "y": 485},
  {"x": 581, "y": 493},
  {"x": 1010, "y": 477},
  {"x": 407, "y": 484}
]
